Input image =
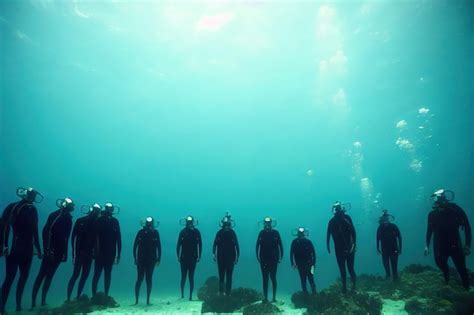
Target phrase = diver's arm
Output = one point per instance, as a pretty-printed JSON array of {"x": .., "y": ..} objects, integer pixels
[
  {"x": 328, "y": 236},
  {"x": 313, "y": 254},
  {"x": 429, "y": 230},
  {"x": 292, "y": 252},
  {"x": 280, "y": 246},
  {"x": 73, "y": 240},
  {"x": 46, "y": 231},
  {"x": 378, "y": 237},
  {"x": 179, "y": 243},
  {"x": 119, "y": 240},
  {"x": 158, "y": 245},
  {"x": 199, "y": 244},
  {"x": 214, "y": 246},
  {"x": 66, "y": 238},
  {"x": 467, "y": 228},
  {"x": 257, "y": 247},
  {"x": 36, "y": 233},
  {"x": 353, "y": 233},
  {"x": 399, "y": 237},
  {"x": 6, "y": 224},
  {"x": 135, "y": 245},
  {"x": 237, "y": 247}
]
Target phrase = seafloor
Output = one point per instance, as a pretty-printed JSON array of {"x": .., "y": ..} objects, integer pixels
[{"x": 420, "y": 290}]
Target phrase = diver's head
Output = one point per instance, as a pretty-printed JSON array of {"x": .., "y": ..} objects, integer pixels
[
  {"x": 440, "y": 197},
  {"x": 95, "y": 209},
  {"x": 66, "y": 204},
  {"x": 227, "y": 222},
  {"x": 29, "y": 195},
  {"x": 267, "y": 223},
  {"x": 338, "y": 208},
  {"x": 386, "y": 218},
  {"x": 189, "y": 222},
  {"x": 149, "y": 223},
  {"x": 108, "y": 208},
  {"x": 301, "y": 232}
]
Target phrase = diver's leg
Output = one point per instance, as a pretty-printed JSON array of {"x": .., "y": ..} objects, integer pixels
[
  {"x": 350, "y": 267},
  {"x": 75, "y": 274},
  {"x": 108, "y": 276},
  {"x": 24, "y": 267},
  {"x": 228, "y": 277},
  {"x": 48, "y": 279},
  {"x": 184, "y": 273},
  {"x": 192, "y": 268},
  {"x": 311, "y": 280},
  {"x": 11, "y": 267},
  {"x": 149, "y": 281},
  {"x": 341, "y": 263},
  {"x": 98, "y": 266},
  {"x": 441, "y": 260},
  {"x": 265, "y": 274},
  {"x": 86, "y": 269},
  {"x": 386, "y": 263},
  {"x": 302, "y": 273},
  {"x": 221, "y": 271},
  {"x": 273, "y": 273},
  {"x": 39, "y": 279},
  {"x": 459, "y": 260},
  {"x": 394, "y": 264},
  {"x": 140, "y": 276}
]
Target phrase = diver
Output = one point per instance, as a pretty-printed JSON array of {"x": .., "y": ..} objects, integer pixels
[
  {"x": 444, "y": 222},
  {"x": 303, "y": 257},
  {"x": 269, "y": 251},
  {"x": 388, "y": 235},
  {"x": 108, "y": 247},
  {"x": 228, "y": 252},
  {"x": 55, "y": 244},
  {"x": 22, "y": 218},
  {"x": 188, "y": 250},
  {"x": 342, "y": 230},
  {"x": 83, "y": 241},
  {"x": 147, "y": 255}
]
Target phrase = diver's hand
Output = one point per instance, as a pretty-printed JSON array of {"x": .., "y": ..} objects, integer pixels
[
  {"x": 467, "y": 251},
  {"x": 198, "y": 259},
  {"x": 379, "y": 252},
  {"x": 354, "y": 248},
  {"x": 258, "y": 259},
  {"x": 293, "y": 266},
  {"x": 329, "y": 251},
  {"x": 157, "y": 263},
  {"x": 214, "y": 258},
  {"x": 236, "y": 261},
  {"x": 64, "y": 258},
  {"x": 427, "y": 251},
  {"x": 117, "y": 260}
]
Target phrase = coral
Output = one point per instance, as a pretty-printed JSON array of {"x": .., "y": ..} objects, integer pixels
[
  {"x": 209, "y": 289},
  {"x": 213, "y": 302},
  {"x": 332, "y": 301},
  {"x": 102, "y": 300},
  {"x": 261, "y": 308}
]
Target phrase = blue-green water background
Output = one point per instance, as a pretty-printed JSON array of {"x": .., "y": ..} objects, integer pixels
[{"x": 173, "y": 108}]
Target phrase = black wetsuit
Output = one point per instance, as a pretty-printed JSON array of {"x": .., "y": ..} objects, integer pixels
[
  {"x": 146, "y": 252},
  {"x": 342, "y": 230},
  {"x": 389, "y": 236},
  {"x": 22, "y": 218},
  {"x": 55, "y": 243},
  {"x": 83, "y": 242},
  {"x": 444, "y": 222},
  {"x": 228, "y": 252},
  {"x": 269, "y": 250},
  {"x": 109, "y": 247},
  {"x": 303, "y": 255},
  {"x": 188, "y": 249}
]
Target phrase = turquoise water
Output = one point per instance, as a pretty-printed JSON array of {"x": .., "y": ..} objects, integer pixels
[{"x": 258, "y": 108}]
